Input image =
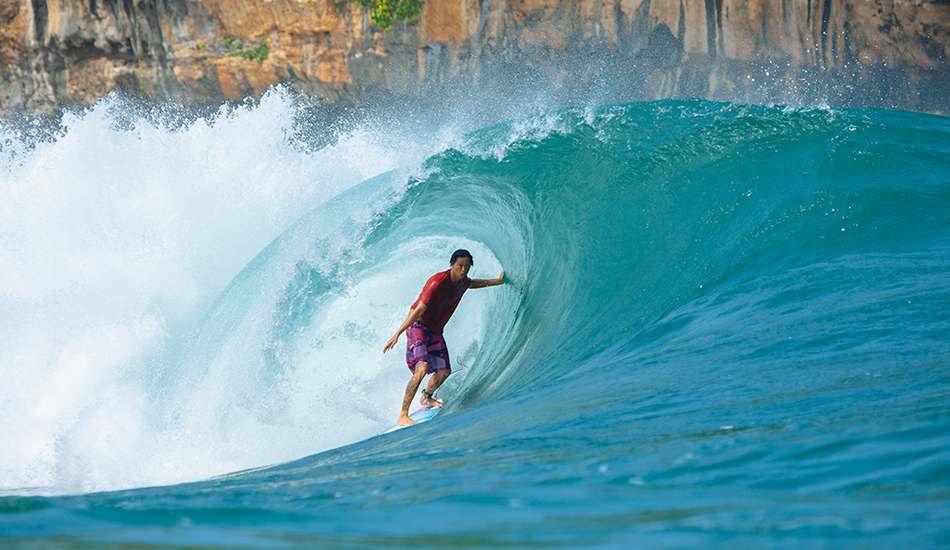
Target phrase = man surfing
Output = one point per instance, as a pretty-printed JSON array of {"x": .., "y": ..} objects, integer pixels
[{"x": 426, "y": 352}]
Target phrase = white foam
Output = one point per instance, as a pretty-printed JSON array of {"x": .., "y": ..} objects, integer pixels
[{"x": 114, "y": 241}]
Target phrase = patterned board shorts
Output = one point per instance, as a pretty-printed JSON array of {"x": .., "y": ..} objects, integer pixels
[{"x": 422, "y": 346}]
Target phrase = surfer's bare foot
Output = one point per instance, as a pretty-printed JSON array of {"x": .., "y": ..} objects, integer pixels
[
  {"x": 429, "y": 401},
  {"x": 404, "y": 420}
]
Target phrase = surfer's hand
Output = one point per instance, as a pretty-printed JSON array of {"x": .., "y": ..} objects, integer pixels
[{"x": 391, "y": 343}]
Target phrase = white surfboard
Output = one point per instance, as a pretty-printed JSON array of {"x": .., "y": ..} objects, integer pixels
[
  {"x": 427, "y": 413},
  {"x": 422, "y": 415}
]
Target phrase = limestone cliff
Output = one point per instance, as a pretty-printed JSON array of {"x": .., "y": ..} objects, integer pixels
[{"x": 846, "y": 52}]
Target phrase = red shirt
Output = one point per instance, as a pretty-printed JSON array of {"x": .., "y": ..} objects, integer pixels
[{"x": 441, "y": 298}]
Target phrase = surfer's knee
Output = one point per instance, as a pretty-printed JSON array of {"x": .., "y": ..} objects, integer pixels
[
  {"x": 421, "y": 370},
  {"x": 442, "y": 374}
]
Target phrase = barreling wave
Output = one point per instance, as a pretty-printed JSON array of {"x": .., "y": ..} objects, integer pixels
[
  {"x": 762, "y": 230},
  {"x": 696, "y": 250}
]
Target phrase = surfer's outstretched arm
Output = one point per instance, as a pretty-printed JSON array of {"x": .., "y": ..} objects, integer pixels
[
  {"x": 482, "y": 283},
  {"x": 414, "y": 316}
]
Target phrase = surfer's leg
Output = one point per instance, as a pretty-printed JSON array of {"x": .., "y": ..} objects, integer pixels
[
  {"x": 435, "y": 382},
  {"x": 411, "y": 389},
  {"x": 439, "y": 366}
]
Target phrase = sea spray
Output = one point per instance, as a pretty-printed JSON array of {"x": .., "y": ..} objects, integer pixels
[{"x": 118, "y": 235}]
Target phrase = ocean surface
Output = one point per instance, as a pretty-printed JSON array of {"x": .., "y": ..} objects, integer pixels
[{"x": 724, "y": 326}]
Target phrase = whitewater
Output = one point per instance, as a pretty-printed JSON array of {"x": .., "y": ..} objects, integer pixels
[{"x": 723, "y": 324}]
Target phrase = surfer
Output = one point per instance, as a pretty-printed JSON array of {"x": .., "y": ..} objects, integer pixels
[{"x": 426, "y": 352}]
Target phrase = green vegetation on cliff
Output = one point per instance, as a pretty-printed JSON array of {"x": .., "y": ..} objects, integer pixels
[
  {"x": 386, "y": 12},
  {"x": 235, "y": 49}
]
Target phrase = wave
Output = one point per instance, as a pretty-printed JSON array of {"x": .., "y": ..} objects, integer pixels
[{"x": 194, "y": 304}]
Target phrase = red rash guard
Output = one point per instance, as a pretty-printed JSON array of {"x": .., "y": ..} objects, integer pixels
[{"x": 441, "y": 297}]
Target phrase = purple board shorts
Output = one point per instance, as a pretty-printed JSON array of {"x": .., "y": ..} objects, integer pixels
[{"x": 422, "y": 346}]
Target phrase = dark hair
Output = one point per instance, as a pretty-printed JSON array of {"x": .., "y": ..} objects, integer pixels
[{"x": 461, "y": 253}]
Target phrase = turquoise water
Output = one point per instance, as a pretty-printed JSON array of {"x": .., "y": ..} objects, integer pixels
[{"x": 725, "y": 325}]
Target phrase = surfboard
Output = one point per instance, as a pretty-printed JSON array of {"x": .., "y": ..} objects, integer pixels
[
  {"x": 427, "y": 413},
  {"x": 422, "y": 415}
]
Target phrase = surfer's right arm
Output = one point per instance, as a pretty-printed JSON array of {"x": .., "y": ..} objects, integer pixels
[{"x": 414, "y": 316}]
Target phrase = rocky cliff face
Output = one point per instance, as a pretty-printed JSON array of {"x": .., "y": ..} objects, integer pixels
[{"x": 845, "y": 52}]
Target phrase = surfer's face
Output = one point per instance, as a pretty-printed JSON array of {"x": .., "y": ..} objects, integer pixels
[{"x": 460, "y": 268}]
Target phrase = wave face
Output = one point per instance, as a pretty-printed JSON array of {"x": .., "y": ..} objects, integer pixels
[{"x": 722, "y": 322}]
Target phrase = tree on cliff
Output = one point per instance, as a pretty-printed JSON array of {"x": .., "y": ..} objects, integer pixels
[{"x": 386, "y": 12}]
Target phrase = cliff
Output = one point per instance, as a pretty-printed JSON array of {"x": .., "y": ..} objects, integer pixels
[{"x": 844, "y": 52}]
